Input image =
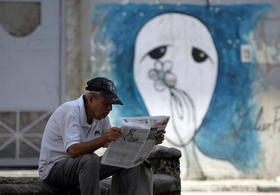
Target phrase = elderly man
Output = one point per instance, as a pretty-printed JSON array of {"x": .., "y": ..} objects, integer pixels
[{"x": 74, "y": 131}]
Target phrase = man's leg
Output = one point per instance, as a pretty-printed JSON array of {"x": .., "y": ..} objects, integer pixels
[
  {"x": 107, "y": 171},
  {"x": 133, "y": 181},
  {"x": 86, "y": 171},
  {"x": 83, "y": 171}
]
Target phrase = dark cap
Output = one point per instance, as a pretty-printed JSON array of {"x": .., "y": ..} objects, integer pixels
[{"x": 106, "y": 87}]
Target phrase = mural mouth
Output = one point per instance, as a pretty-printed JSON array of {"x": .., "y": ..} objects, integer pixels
[
  {"x": 182, "y": 107},
  {"x": 183, "y": 111}
]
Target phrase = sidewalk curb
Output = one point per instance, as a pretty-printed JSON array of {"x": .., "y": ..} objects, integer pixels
[{"x": 230, "y": 185}]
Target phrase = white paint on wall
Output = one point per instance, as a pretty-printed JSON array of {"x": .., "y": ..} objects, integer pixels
[
  {"x": 216, "y": 168},
  {"x": 268, "y": 125},
  {"x": 175, "y": 70},
  {"x": 246, "y": 53}
]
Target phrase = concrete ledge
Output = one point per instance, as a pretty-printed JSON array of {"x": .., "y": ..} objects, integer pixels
[
  {"x": 39, "y": 188},
  {"x": 165, "y": 152},
  {"x": 165, "y": 160},
  {"x": 163, "y": 185},
  {"x": 166, "y": 181},
  {"x": 12, "y": 186}
]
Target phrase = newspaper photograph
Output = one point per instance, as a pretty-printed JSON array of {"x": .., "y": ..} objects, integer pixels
[{"x": 138, "y": 138}]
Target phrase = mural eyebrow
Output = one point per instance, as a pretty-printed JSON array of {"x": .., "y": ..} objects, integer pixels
[{"x": 156, "y": 53}]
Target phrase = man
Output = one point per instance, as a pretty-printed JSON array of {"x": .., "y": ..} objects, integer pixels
[{"x": 74, "y": 131}]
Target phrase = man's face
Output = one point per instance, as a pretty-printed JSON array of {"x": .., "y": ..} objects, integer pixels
[{"x": 99, "y": 108}]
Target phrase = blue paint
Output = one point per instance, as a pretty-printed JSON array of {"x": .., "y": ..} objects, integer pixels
[{"x": 224, "y": 134}]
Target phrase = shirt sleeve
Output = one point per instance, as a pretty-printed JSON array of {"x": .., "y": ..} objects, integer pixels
[
  {"x": 106, "y": 125},
  {"x": 71, "y": 132}
]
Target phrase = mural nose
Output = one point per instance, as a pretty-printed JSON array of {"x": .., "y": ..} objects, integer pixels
[{"x": 162, "y": 75}]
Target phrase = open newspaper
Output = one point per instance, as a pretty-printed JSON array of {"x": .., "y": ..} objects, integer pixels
[{"x": 138, "y": 138}]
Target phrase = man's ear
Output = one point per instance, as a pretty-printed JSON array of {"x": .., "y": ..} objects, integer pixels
[{"x": 90, "y": 98}]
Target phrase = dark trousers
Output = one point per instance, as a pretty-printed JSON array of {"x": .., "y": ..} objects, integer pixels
[{"x": 86, "y": 171}]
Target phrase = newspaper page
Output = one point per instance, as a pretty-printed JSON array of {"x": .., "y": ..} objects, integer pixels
[
  {"x": 157, "y": 125},
  {"x": 137, "y": 141}
]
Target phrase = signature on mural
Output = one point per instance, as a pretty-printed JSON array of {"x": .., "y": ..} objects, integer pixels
[{"x": 258, "y": 125}]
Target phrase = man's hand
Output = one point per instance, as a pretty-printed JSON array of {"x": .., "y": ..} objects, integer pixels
[
  {"x": 113, "y": 133},
  {"x": 79, "y": 149},
  {"x": 160, "y": 139}
]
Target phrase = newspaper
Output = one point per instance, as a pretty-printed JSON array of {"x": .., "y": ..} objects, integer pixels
[{"x": 138, "y": 138}]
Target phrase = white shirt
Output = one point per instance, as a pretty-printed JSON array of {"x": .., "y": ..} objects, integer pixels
[{"x": 67, "y": 126}]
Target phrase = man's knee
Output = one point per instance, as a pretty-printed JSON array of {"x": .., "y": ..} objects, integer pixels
[{"x": 90, "y": 160}]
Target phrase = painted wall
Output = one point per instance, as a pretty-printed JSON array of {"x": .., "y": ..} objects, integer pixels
[{"x": 214, "y": 69}]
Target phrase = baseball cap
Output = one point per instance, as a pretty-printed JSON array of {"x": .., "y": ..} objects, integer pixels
[{"x": 106, "y": 87}]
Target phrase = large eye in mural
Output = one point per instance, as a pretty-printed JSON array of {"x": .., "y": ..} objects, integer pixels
[
  {"x": 171, "y": 81},
  {"x": 158, "y": 52},
  {"x": 199, "y": 55}
]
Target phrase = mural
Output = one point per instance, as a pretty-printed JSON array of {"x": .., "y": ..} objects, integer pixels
[
  {"x": 179, "y": 75},
  {"x": 187, "y": 62}
]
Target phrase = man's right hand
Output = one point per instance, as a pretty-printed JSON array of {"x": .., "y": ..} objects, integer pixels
[
  {"x": 113, "y": 133},
  {"x": 79, "y": 149}
]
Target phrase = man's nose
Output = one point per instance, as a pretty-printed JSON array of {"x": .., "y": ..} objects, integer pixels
[{"x": 110, "y": 107}]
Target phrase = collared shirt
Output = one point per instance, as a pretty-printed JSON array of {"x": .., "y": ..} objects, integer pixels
[{"x": 67, "y": 126}]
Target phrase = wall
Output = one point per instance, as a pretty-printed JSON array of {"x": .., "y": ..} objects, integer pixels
[
  {"x": 73, "y": 50},
  {"x": 31, "y": 76},
  {"x": 213, "y": 67},
  {"x": 78, "y": 49},
  {"x": 219, "y": 82}
]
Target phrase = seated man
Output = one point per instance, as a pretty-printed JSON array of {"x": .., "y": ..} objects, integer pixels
[{"x": 74, "y": 131}]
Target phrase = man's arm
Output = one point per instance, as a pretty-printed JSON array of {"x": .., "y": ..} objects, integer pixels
[{"x": 79, "y": 149}]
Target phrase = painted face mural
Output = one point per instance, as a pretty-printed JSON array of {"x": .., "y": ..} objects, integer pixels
[
  {"x": 175, "y": 70},
  {"x": 164, "y": 61}
]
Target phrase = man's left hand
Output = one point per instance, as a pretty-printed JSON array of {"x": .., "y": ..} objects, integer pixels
[{"x": 160, "y": 139}]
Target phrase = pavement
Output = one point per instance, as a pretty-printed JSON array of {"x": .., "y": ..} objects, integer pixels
[
  {"x": 196, "y": 187},
  {"x": 230, "y": 193},
  {"x": 235, "y": 186}
]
